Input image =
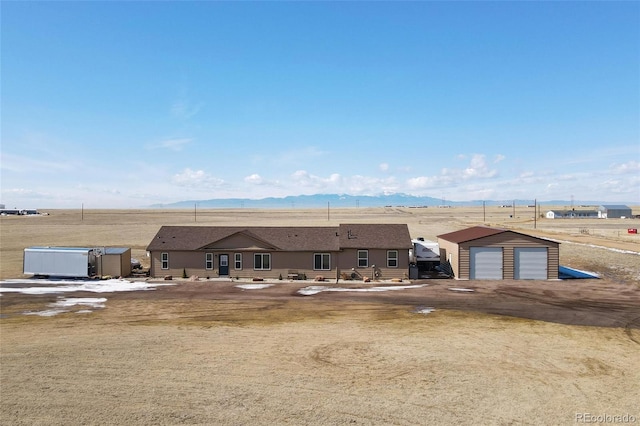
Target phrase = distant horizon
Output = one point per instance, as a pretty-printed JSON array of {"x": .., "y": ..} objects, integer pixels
[{"x": 319, "y": 201}]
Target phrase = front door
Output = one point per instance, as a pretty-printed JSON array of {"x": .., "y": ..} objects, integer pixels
[{"x": 224, "y": 264}]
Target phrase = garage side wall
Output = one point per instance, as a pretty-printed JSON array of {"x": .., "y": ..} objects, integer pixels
[{"x": 449, "y": 253}]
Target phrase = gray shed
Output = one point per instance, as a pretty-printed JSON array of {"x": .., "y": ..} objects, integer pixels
[{"x": 614, "y": 211}]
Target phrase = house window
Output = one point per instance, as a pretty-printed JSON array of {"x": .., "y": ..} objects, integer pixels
[
  {"x": 363, "y": 258},
  {"x": 164, "y": 258},
  {"x": 262, "y": 261},
  {"x": 238, "y": 261},
  {"x": 392, "y": 259},
  {"x": 322, "y": 261},
  {"x": 209, "y": 261}
]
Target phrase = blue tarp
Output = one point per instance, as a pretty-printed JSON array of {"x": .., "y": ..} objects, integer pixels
[{"x": 565, "y": 273}]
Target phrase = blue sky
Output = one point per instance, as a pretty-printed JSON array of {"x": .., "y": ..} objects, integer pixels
[{"x": 127, "y": 104}]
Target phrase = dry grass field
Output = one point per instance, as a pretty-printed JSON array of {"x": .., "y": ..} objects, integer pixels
[{"x": 204, "y": 353}]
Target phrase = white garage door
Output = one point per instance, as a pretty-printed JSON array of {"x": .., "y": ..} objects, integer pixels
[
  {"x": 530, "y": 263},
  {"x": 485, "y": 263}
]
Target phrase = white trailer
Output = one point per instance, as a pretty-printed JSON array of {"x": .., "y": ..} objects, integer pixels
[
  {"x": 424, "y": 250},
  {"x": 425, "y": 255},
  {"x": 70, "y": 262}
]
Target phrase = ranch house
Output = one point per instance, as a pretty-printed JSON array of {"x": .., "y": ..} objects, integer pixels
[
  {"x": 378, "y": 251},
  {"x": 572, "y": 214}
]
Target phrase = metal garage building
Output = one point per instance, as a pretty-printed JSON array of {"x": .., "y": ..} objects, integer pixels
[
  {"x": 615, "y": 211},
  {"x": 484, "y": 253}
]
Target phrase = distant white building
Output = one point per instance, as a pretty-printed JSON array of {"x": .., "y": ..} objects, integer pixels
[
  {"x": 572, "y": 214},
  {"x": 614, "y": 211}
]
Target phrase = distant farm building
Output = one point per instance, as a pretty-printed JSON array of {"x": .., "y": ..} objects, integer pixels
[
  {"x": 354, "y": 250},
  {"x": 488, "y": 253},
  {"x": 19, "y": 212},
  {"x": 614, "y": 211},
  {"x": 572, "y": 214}
]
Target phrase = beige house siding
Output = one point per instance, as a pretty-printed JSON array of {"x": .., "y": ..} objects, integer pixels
[
  {"x": 508, "y": 241},
  {"x": 282, "y": 264},
  {"x": 378, "y": 257}
]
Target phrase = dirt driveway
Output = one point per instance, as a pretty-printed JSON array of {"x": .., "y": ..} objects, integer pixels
[{"x": 214, "y": 353}]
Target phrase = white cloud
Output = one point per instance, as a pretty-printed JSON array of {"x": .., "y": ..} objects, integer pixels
[
  {"x": 305, "y": 179},
  {"x": 254, "y": 179},
  {"x": 176, "y": 144},
  {"x": 499, "y": 158},
  {"x": 384, "y": 167},
  {"x": 630, "y": 167},
  {"x": 335, "y": 182},
  {"x": 196, "y": 179},
  {"x": 477, "y": 169},
  {"x": 424, "y": 182}
]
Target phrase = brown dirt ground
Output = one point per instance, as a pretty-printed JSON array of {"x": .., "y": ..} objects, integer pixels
[{"x": 534, "y": 352}]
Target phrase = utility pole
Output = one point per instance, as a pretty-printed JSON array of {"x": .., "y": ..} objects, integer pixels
[
  {"x": 328, "y": 211},
  {"x": 484, "y": 212},
  {"x": 535, "y": 213},
  {"x": 195, "y": 212}
]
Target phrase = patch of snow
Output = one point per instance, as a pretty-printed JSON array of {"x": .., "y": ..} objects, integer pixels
[
  {"x": 69, "y": 286},
  {"x": 468, "y": 290},
  {"x": 315, "y": 289},
  {"x": 49, "y": 313},
  {"x": 424, "y": 311},
  {"x": 311, "y": 290},
  {"x": 93, "y": 302},
  {"x": 253, "y": 286}
]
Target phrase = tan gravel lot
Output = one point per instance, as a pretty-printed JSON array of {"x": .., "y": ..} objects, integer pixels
[{"x": 208, "y": 353}]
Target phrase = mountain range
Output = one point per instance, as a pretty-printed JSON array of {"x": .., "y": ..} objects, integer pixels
[{"x": 344, "y": 200}]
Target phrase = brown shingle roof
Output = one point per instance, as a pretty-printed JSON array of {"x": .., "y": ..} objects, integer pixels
[
  {"x": 478, "y": 232},
  {"x": 470, "y": 234},
  {"x": 189, "y": 238},
  {"x": 375, "y": 236},
  {"x": 319, "y": 238}
]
